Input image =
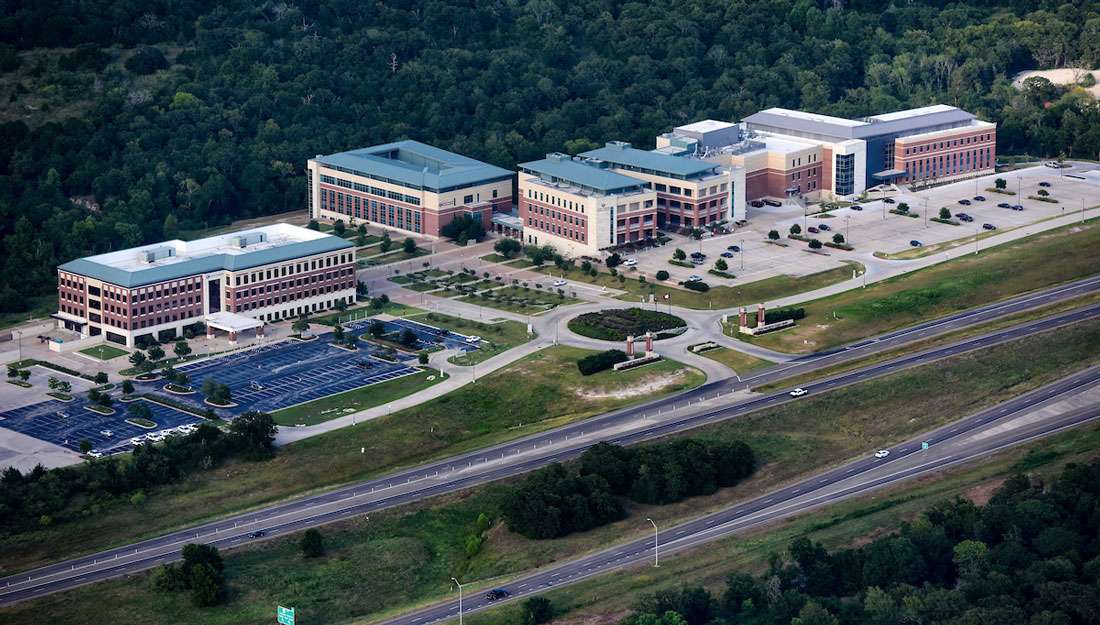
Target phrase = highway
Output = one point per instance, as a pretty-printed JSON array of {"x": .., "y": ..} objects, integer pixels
[
  {"x": 979, "y": 434},
  {"x": 706, "y": 404}
]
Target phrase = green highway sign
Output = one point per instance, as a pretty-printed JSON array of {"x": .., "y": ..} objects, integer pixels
[{"x": 285, "y": 616}]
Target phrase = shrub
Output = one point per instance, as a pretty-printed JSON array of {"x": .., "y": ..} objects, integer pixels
[
  {"x": 697, "y": 285},
  {"x": 537, "y": 610},
  {"x": 601, "y": 361},
  {"x": 662, "y": 275},
  {"x": 312, "y": 545}
]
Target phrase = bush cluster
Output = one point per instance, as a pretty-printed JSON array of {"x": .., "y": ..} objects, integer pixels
[
  {"x": 601, "y": 361},
  {"x": 616, "y": 325},
  {"x": 554, "y": 502},
  {"x": 201, "y": 572},
  {"x": 697, "y": 285}
]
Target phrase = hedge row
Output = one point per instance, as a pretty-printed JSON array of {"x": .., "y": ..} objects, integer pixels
[{"x": 601, "y": 361}]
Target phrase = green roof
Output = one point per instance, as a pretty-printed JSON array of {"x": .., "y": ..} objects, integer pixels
[{"x": 155, "y": 273}]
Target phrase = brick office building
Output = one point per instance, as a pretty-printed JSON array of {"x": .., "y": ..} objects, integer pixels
[
  {"x": 259, "y": 275},
  {"x": 407, "y": 186}
]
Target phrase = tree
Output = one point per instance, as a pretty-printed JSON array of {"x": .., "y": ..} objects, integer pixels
[
  {"x": 209, "y": 387},
  {"x": 222, "y": 394},
  {"x": 662, "y": 274},
  {"x": 360, "y": 239},
  {"x": 101, "y": 377},
  {"x": 25, "y": 375},
  {"x": 536, "y": 610},
  {"x": 300, "y": 325},
  {"x": 207, "y": 586},
  {"x": 52, "y": 383},
  {"x": 64, "y": 387},
  {"x": 105, "y": 400},
  {"x": 678, "y": 254},
  {"x": 1000, "y": 183},
  {"x": 338, "y": 333},
  {"x": 945, "y": 213},
  {"x": 838, "y": 238},
  {"x": 13, "y": 371},
  {"x": 338, "y": 227},
  {"x": 182, "y": 379},
  {"x": 361, "y": 288},
  {"x": 181, "y": 349},
  {"x": 815, "y": 244},
  {"x": 387, "y": 243},
  {"x": 796, "y": 229},
  {"x": 507, "y": 247},
  {"x": 903, "y": 207},
  {"x": 721, "y": 265},
  {"x": 137, "y": 358},
  {"x": 156, "y": 353},
  {"x": 773, "y": 235},
  {"x": 254, "y": 434},
  {"x": 85, "y": 446},
  {"x": 351, "y": 341},
  {"x": 127, "y": 387},
  {"x": 312, "y": 545},
  {"x": 464, "y": 225},
  {"x": 423, "y": 358},
  {"x": 140, "y": 410},
  {"x": 377, "y": 329},
  {"x": 313, "y": 225},
  {"x": 613, "y": 261},
  {"x": 409, "y": 246},
  {"x": 408, "y": 338}
]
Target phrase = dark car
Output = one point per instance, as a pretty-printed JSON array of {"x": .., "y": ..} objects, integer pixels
[
  {"x": 915, "y": 243},
  {"x": 980, "y": 198},
  {"x": 824, "y": 227},
  {"x": 698, "y": 255},
  {"x": 856, "y": 207},
  {"x": 1004, "y": 205},
  {"x": 989, "y": 226},
  {"x": 497, "y": 593},
  {"x": 1017, "y": 207},
  {"x": 773, "y": 203},
  {"x": 756, "y": 203},
  {"x": 812, "y": 229},
  {"x": 964, "y": 202},
  {"x": 965, "y": 217},
  {"x": 888, "y": 200},
  {"x": 1044, "y": 184},
  {"x": 363, "y": 364},
  {"x": 442, "y": 331},
  {"x": 726, "y": 255},
  {"x": 734, "y": 248},
  {"x": 256, "y": 534}
]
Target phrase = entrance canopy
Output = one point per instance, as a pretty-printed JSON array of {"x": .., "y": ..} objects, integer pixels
[
  {"x": 888, "y": 174},
  {"x": 232, "y": 322}
]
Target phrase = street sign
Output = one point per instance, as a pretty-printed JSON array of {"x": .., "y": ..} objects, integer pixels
[
  {"x": 285, "y": 616},
  {"x": 924, "y": 445}
]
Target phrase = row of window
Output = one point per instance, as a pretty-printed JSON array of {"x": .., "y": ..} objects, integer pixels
[
  {"x": 272, "y": 301},
  {"x": 553, "y": 214},
  {"x": 288, "y": 284},
  {"x": 554, "y": 200},
  {"x": 920, "y": 149},
  {"x": 558, "y": 229},
  {"x": 375, "y": 191},
  {"x": 292, "y": 268},
  {"x": 949, "y": 164},
  {"x": 811, "y": 172},
  {"x": 371, "y": 210}
]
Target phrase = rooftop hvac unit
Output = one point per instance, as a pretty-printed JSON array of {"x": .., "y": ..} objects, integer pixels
[
  {"x": 155, "y": 254},
  {"x": 244, "y": 240}
]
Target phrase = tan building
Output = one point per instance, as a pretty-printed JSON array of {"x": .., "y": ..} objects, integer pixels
[{"x": 407, "y": 186}]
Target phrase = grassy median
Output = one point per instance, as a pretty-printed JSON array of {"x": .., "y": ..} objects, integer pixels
[
  {"x": 538, "y": 392},
  {"x": 406, "y": 556},
  {"x": 1036, "y": 262}
]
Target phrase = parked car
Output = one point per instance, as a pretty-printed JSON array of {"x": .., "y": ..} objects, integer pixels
[
  {"x": 630, "y": 262},
  {"x": 698, "y": 255},
  {"x": 856, "y": 207},
  {"x": 95, "y": 453},
  {"x": 473, "y": 339},
  {"x": 695, "y": 278},
  {"x": 887, "y": 200},
  {"x": 989, "y": 226},
  {"x": 756, "y": 204},
  {"x": 1052, "y": 164},
  {"x": 497, "y": 593},
  {"x": 798, "y": 392},
  {"x": 964, "y": 202},
  {"x": 882, "y": 453},
  {"x": 1004, "y": 205},
  {"x": 560, "y": 283},
  {"x": 136, "y": 441},
  {"x": 1017, "y": 207},
  {"x": 915, "y": 243},
  {"x": 154, "y": 437},
  {"x": 824, "y": 227},
  {"x": 106, "y": 433},
  {"x": 734, "y": 248},
  {"x": 726, "y": 255},
  {"x": 773, "y": 202},
  {"x": 980, "y": 198},
  {"x": 965, "y": 217},
  {"x": 812, "y": 229},
  {"x": 1044, "y": 184}
]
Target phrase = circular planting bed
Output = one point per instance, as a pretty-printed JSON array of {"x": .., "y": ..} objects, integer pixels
[{"x": 617, "y": 324}]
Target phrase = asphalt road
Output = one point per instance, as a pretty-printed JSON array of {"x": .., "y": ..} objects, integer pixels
[
  {"x": 968, "y": 438},
  {"x": 508, "y": 459}
]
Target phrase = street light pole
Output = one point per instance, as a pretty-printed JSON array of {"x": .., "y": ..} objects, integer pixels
[
  {"x": 847, "y": 225},
  {"x": 743, "y": 254},
  {"x": 655, "y": 544},
  {"x": 459, "y": 600}
]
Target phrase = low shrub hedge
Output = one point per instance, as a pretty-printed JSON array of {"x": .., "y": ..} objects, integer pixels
[
  {"x": 697, "y": 285},
  {"x": 601, "y": 361}
]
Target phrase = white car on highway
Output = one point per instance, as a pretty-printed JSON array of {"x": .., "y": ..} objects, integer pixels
[
  {"x": 798, "y": 392},
  {"x": 882, "y": 453}
]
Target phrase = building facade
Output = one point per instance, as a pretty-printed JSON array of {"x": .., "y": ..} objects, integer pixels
[
  {"x": 581, "y": 206},
  {"x": 788, "y": 153},
  {"x": 265, "y": 274},
  {"x": 406, "y": 186}
]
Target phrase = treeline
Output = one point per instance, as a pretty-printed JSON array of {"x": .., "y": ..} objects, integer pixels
[
  {"x": 556, "y": 501},
  {"x": 1029, "y": 556},
  {"x": 252, "y": 90},
  {"x": 41, "y": 497}
]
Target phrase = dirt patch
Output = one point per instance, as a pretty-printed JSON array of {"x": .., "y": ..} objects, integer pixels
[
  {"x": 870, "y": 537},
  {"x": 646, "y": 386},
  {"x": 594, "y": 619},
  {"x": 980, "y": 494}
]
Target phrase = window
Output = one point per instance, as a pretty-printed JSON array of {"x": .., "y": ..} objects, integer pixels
[
  {"x": 845, "y": 169},
  {"x": 469, "y": 199}
]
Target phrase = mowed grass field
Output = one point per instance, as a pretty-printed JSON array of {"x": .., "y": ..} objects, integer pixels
[
  {"x": 535, "y": 393},
  {"x": 500, "y": 336},
  {"x": 320, "y": 410},
  {"x": 738, "y": 361},
  {"x": 406, "y": 556},
  {"x": 1033, "y": 263}
]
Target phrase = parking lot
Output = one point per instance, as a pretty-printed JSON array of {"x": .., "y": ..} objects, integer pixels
[
  {"x": 43, "y": 421},
  {"x": 426, "y": 336},
  {"x": 870, "y": 227}
]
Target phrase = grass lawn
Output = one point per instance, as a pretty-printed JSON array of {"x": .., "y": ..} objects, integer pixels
[
  {"x": 320, "y": 410},
  {"x": 738, "y": 361},
  {"x": 104, "y": 352},
  {"x": 535, "y": 300},
  {"x": 413, "y": 550},
  {"x": 398, "y": 256},
  {"x": 494, "y": 258},
  {"x": 520, "y": 263},
  {"x": 495, "y": 409},
  {"x": 501, "y": 336},
  {"x": 370, "y": 250},
  {"x": 40, "y": 307},
  {"x": 1035, "y": 262},
  {"x": 421, "y": 287}
]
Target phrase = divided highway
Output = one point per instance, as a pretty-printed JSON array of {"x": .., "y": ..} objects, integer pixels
[{"x": 623, "y": 426}]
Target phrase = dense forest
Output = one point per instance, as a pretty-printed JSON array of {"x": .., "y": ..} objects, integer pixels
[
  {"x": 128, "y": 121},
  {"x": 1030, "y": 556}
]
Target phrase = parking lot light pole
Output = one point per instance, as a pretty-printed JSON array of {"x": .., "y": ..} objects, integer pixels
[
  {"x": 847, "y": 224},
  {"x": 459, "y": 600},
  {"x": 742, "y": 254},
  {"x": 655, "y": 544}
]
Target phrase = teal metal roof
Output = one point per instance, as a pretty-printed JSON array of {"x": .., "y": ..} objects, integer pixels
[
  {"x": 203, "y": 264},
  {"x": 623, "y": 154},
  {"x": 415, "y": 165},
  {"x": 560, "y": 168}
]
